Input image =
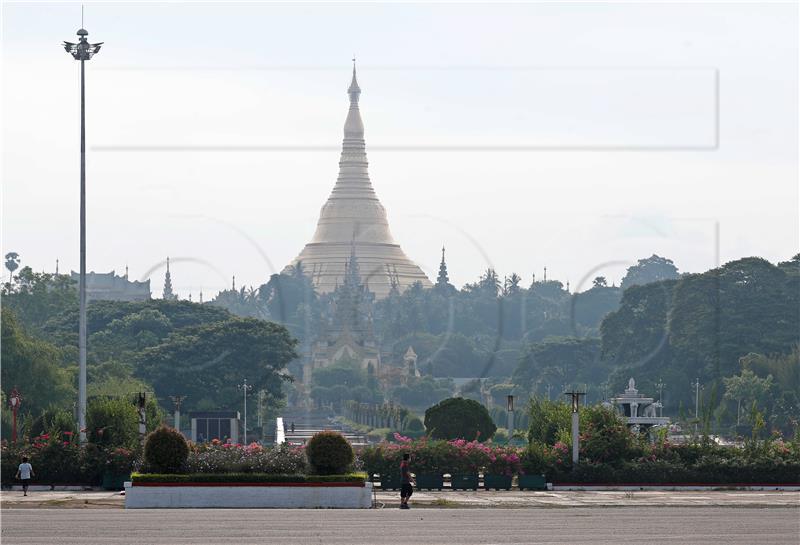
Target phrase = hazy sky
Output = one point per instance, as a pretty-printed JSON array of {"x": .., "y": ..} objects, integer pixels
[{"x": 574, "y": 136}]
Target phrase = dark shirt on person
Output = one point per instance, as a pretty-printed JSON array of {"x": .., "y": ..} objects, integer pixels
[{"x": 405, "y": 474}]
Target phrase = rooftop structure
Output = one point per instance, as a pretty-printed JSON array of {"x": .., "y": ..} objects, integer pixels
[
  {"x": 110, "y": 287},
  {"x": 354, "y": 218}
]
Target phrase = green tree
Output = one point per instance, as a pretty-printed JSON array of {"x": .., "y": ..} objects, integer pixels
[
  {"x": 459, "y": 418},
  {"x": 206, "y": 362},
  {"x": 651, "y": 269},
  {"x": 547, "y": 421},
  {"x": 12, "y": 263},
  {"x": 33, "y": 366},
  {"x": 746, "y": 388}
]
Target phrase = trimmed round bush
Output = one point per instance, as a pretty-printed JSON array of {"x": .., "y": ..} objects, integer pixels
[
  {"x": 414, "y": 424},
  {"x": 459, "y": 418},
  {"x": 165, "y": 451},
  {"x": 329, "y": 453}
]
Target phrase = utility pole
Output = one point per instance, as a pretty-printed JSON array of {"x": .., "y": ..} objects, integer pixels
[
  {"x": 82, "y": 51},
  {"x": 244, "y": 387}
]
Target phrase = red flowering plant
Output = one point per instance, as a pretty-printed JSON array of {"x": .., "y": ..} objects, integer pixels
[
  {"x": 218, "y": 457},
  {"x": 120, "y": 461},
  {"x": 56, "y": 461},
  {"x": 503, "y": 461},
  {"x": 468, "y": 456}
]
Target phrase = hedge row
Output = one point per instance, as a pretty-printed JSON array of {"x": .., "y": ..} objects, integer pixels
[
  {"x": 245, "y": 478},
  {"x": 660, "y": 472}
]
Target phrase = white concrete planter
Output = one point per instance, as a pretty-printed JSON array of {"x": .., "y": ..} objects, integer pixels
[{"x": 260, "y": 495}]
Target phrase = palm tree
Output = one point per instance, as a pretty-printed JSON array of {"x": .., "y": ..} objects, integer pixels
[{"x": 12, "y": 264}]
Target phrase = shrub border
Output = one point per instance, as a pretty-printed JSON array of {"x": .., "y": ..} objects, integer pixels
[{"x": 246, "y": 479}]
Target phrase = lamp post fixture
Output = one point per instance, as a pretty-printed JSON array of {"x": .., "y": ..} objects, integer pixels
[
  {"x": 244, "y": 387},
  {"x": 696, "y": 385},
  {"x": 660, "y": 386},
  {"x": 82, "y": 51},
  {"x": 141, "y": 405},
  {"x": 576, "y": 405},
  {"x": 177, "y": 400},
  {"x": 510, "y": 411},
  {"x": 15, "y": 400}
]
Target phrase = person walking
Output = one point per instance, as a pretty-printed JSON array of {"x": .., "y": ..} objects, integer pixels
[
  {"x": 406, "y": 482},
  {"x": 24, "y": 473}
]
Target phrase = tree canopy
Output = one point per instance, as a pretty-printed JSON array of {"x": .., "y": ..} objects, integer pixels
[{"x": 459, "y": 418}]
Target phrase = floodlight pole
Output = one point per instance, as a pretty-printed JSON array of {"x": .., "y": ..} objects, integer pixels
[{"x": 82, "y": 51}]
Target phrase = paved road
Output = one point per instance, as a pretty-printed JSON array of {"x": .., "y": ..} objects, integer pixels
[
  {"x": 479, "y": 499},
  {"x": 590, "y": 525}
]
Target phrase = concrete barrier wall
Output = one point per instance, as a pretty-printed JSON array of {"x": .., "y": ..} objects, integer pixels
[{"x": 284, "y": 497}]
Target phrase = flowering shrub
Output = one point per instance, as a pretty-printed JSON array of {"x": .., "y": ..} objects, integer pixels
[
  {"x": 504, "y": 461},
  {"x": 431, "y": 456},
  {"x": 120, "y": 460},
  {"x": 54, "y": 461},
  {"x": 216, "y": 457}
]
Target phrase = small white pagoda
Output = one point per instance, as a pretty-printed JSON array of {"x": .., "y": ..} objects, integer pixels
[{"x": 640, "y": 411}]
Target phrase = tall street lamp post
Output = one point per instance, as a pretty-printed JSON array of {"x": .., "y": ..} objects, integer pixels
[
  {"x": 660, "y": 386},
  {"x": 82, "y": 51},
  {"x": 244, "y": 387},
  {"x": 576, "y": 405},
  {"x": 510, "y": 411},
  {"x": 177, "y": 400}
]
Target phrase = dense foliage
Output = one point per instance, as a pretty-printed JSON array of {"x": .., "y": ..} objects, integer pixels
[
  {"x": 165, "y": 451},
  {"x": 459, "y": 418},
  {"x": 329, "y": 453},
  {"x": 611, "y": 453},
  {"x": 180, "y": 347}
]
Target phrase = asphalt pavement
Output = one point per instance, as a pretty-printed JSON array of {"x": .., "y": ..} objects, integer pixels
[{"x": 429, "y": 526}]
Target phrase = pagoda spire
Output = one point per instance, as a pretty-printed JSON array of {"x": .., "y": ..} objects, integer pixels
[
  {"x": 168, "y": 294},
  {"x": 353, "y": 207},
  {"x": 352, "y": 273},
  {"x": 443, "y": 280}
]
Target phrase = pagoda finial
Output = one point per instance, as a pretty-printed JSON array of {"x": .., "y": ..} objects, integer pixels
[
  {"x": 354, "y": 90},
  {"x": 168, "y": 294},
  {"x": 443, "y": 280}
]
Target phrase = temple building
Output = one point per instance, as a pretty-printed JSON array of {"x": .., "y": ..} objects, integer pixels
[
  {"x": 347, "y": 334},
  {"x": 354, "y": 217},
  {"x": 110, "y": 287}
]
